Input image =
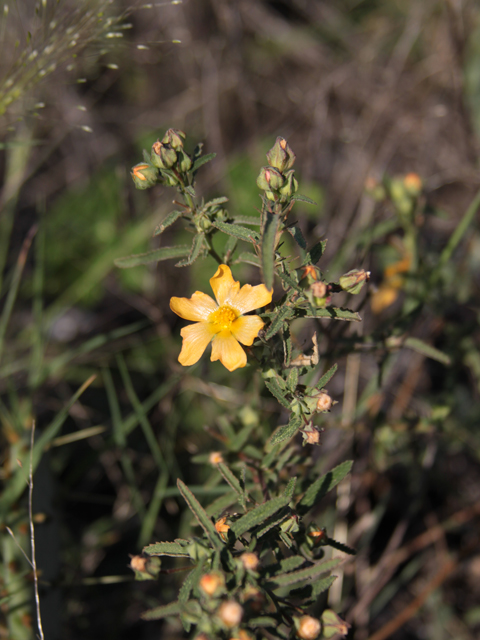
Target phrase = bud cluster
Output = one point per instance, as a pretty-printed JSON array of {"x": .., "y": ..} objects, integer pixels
[
  {"x": 167, "y": 164},
  {"x": 402, "y": 191},
  {"x": 277, "y": 179}
]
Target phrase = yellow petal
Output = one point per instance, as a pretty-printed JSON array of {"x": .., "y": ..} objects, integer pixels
[
  {"x": 226, "y": 349},
  {"x": 223, "y": 285},
  {"x": 196, "y": 308},
  {"x": 245, "y": 329},
  {"x": 195, "y": 340},
  {"x": 250, "y": 298}
]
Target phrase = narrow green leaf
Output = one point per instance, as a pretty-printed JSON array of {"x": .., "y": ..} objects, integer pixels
[
  {"x": 273, "y": 521},
  {"x": 274, "y": 388},
  {"x": 218, "y": 506},
  {"x": 177, "y": 548},
  {"x": 259, "y": 514},
  {"x": 195, "y": 251},
  {"x": 316, "y": 252},
  {"x": 290, "y": 488},
  {"x": 167, "y": 222},
  {"x": 300, "y": 198},
  {"x": 310, "y": 573},
  {"x": 201, "y": 161},
  {"x": 322, "y": 486},
  {"x": 269, "y": 241},
  {"x": 334, "y": 313},
  {"x": 242, "y": 233},
  {"x": 427, "y": 350},
  {"x": 290, "y": 281},
  {"x": 172, "y": 609},
  {"x": 277, "y": 322},
  {"x": 325, "y": 379},
  {"x": 288, "y": 430},
  {"x": 249, "y": 258},
  {"x": 238, "y": 441},
  {"x": 287, "y": 347},
  {"x": 297, "y": 235},
  {"x": 460, "y": 230},
  {"x": 200, "y": 514},
  {"x": 248, "y": 220},
  {"x": 232, "y": 480},
  {"x": 164, "y": 253},
  {"x": 292, "y": 379},
  {"x": 230, "y": 247}
]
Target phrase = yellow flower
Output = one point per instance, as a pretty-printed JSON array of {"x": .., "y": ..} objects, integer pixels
[{"x": 223, "y": 322}]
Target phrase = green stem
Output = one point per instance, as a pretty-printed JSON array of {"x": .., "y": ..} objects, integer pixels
[{"x": 211, "y": 249}]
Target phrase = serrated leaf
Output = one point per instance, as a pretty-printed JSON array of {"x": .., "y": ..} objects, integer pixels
[
  {"x": 278, "y": 320},
  {"x": 316, "y": 252},
  {"x": 191, "y": 191},
  {"x": 292, "y": 379},
  {"x": 287, "y": 347},
  {"x": 172, "y": 609},
  {"x": 284, "y": 566},
  {"x": 242, "y": 233},
  {"x": 272, "y": 522},
  {"x": 196, "y": 249},
  {"x": 290, "y": 488},
  {"x": 330, "y": 542},
  {"x": 288, "y": 430},
  {"x": 214, "y": 202},
  {"x": 249, "y": 258},
  {"x": 309, "y": 573},
  {"x": 269, "y": 242},
  {"x": 297, "y": 235},
  {"x": 201, "y": 161},
  {"x": 427, "y": 350},
  {"x": 325, "y": 379},
  {"x": 259, "y": 514},
  {"x": 167, "y": 222},
  {"x": 164, "y": 253},
  {"x": 309, "y": 593},
  {"x": 290, "y": 281},
  {"x": 274, "y": 388},
  {"x": 300, "y": 198},
  {"x": 334, "y": 313},
  {"x": 200, "y": 514},
  {"x": 190, "y": 583},
  {"x": 177, "y": 548},
  {"x": 248, "y": 220},
  {"x": 318, "y": 489}
]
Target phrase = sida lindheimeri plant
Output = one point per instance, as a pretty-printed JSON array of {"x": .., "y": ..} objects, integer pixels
[{"x": 261, "y": 562}]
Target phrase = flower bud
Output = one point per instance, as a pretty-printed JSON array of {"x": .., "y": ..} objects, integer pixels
[
  {"x": 315, "y": 536},
  {"x": 241, "y": 635},
  {"x": 413, "y": 184},
  {"x": 310, "y": 274},
  {"x": 375, "y": 189},
  {"x": 269, "y": 179},
  {"x": 281, "y": 156},
  {"x": 333, "y": 624},
  {"x": 211, "y": 583},
  {"x": 290, "y": 525},
  {"x": 308, "y": 628},
  {"x": 290, "y": 187},
  {"x": 222, "y": 527},
  {"x": 250, "y": 561},
  {"x": 230, "y": 613},
  {"x": 311, "y": 434},
  {"x": 319, "y": 290},
  {"x": 162, "y": 156},
  {"x": 215, "y": 458},
  {"x": 184, "y": 161},
  {"x": 145, "y": 568},
  {"x": 324, "y": 402},
  {"x": 174, "y": 138},
  {"x": 352, "y": 282},
  {"x": 144, "y": 175}
]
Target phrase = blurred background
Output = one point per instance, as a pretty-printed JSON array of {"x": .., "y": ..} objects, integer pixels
[{"x": 366, "y": 92}]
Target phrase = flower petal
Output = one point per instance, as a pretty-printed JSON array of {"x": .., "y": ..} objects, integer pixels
[
  {"x": 245, "y": 329},
  {"x": 196, "y": 308},
  {"x": 226, "y": 349},
  {"x": 223, "y": 285},
  {"x": 250, "y": 298},
  {"x": 195, "y": 340}
]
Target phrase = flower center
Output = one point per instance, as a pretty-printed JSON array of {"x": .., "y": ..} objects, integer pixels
[{"x": 223, "y": 316}]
